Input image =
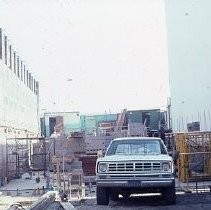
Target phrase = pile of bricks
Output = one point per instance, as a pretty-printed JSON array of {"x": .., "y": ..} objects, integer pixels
[{"x": 88, "y": 164}]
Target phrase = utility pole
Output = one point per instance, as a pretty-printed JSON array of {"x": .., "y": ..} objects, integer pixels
[{"x": 169, "y": 112}]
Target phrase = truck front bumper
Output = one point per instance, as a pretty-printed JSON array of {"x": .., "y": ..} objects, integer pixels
[{"x": 133, "y": 183}]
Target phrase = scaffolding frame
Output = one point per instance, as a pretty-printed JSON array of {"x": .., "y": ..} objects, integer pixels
[
  {"x": 194, "y": 155},
  {"x": 19, "y": 153}
]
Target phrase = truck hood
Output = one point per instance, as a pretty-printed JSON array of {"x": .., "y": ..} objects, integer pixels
[{"x": 123, "y": 158}]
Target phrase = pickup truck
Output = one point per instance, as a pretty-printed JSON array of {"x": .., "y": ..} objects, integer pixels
[{"x": 135, "y": 165}]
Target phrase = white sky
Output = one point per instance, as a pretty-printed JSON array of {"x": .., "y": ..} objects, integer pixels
[{"x": 115, "y": 51}]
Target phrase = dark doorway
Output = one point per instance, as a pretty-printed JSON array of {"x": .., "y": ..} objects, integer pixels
[{"x": 52, "y": 123}]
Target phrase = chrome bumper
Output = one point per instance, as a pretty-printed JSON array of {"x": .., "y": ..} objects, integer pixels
[{"x": 133, "y": 183}]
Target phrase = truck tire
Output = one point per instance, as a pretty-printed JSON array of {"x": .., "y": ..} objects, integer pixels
[
  {"x": 102, "y": 195},
  {"x": 169, "y": 195}
]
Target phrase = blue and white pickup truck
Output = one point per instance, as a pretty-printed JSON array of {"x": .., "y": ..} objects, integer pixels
[{"x": 135, "y": 165}]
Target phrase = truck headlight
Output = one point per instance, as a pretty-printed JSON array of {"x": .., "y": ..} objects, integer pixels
[
  {"x": 102, "y": 167},
  {"x": 166, "y": 166}
]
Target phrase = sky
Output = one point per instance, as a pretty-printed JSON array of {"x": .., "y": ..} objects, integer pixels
[{"x": 92, "y": 56}]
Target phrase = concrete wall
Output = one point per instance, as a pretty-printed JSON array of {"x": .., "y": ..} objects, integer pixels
[
  {"x": 18, "y": 104},
  {"x": 19, "y": 94},
  {"x": 2, "y": 158},
  {"x": 189, "y": 43}
]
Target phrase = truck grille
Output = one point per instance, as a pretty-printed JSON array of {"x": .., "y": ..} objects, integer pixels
[{"x": 135, "y": 167}]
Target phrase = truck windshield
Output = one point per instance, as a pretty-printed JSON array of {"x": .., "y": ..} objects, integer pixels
[{"x": 135, "y": 147}]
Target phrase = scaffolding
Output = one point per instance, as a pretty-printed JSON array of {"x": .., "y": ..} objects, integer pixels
[
  {"x": 194, "y": 155},
  {"x": 19, "y": 155},
  {"x": 65, "y": 181}
]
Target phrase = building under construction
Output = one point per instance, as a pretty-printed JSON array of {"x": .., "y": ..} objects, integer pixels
[
  {"x": 82, "y": 137},
  {"x": 19, "y": 101}
]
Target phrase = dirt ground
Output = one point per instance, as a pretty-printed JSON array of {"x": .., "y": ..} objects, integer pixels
[
  {"x": 184, "y": 201},
  {"x": 192, "y": 201}
]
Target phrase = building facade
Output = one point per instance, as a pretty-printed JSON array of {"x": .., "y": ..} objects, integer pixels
[
  {"x": 152, "y": 118},
  {"x": 97, "y": 123},
  {"x": 60, "y": 122},
  {"x": 19, "y": 98},
  {"x": 100, "y": 124},
  {"x": 189, "y": 47}
]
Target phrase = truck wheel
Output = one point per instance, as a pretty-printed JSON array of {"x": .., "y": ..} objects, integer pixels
[
  {"x": 102, "y": 195},
  {"x": 169, "y": 195}
]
